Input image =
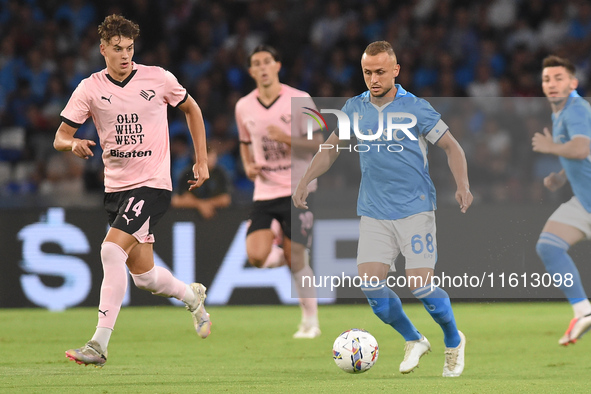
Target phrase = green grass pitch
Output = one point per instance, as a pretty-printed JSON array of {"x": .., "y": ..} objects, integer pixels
[{"x": 512, "y": 347}]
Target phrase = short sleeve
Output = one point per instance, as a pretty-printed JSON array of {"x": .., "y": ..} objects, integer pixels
[
  {"x": 300, "y": 119},
  {"x": 437, "y": 132},
  {"x": 430, "y": 124},
  {"x": 77, "y": 109},
  {"x": 578, "y": 120},
  {"x": 348, "y": 110},
  {"x": 243, "y": 133},
  {"x": 175, "y": 94},
  {"x": 427, "y": 117}
]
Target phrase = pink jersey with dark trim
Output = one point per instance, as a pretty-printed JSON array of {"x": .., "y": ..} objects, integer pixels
[
  {"x": 132, "y": 125},
  {"x": 253, "y": 118}
]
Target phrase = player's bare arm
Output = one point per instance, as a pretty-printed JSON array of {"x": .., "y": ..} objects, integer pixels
[
  {"x": 299, "y": 144},
  {"x": 320, "y": 163},
  {"x": 456, "y": 159},
  {"x": 197, "y": 129},
  {"x": 577, "y": 148},
  {"x": 65, "y": 141},
  {"x": 303, "y": 144},
  {"x": 251, "y": 169}
]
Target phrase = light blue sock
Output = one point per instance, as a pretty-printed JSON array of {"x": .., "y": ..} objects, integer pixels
[
  {"x": 387, "y": 306},
  {"x": 553, "y": 252},
  {"x": 437, "y": 303}
]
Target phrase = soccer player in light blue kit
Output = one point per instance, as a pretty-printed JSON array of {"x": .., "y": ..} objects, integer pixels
[
  {"x": 571, "y": 222},
  {"x": 397, "y": 201}
]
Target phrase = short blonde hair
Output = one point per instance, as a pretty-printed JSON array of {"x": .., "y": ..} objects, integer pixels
[{"x": 378, "y": 47}]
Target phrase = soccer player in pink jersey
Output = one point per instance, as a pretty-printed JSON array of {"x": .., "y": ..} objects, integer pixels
[
  {"x": 271, "y": 153},
  {"x": 128, "y": 104}
]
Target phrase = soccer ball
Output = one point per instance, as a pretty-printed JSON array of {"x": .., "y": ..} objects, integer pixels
[{"x": 355, "y": 351}]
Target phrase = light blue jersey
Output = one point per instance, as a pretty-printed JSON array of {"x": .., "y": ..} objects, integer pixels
[
  {"x": 575, "y": 120},
  {"x": 395, "y": 181}
]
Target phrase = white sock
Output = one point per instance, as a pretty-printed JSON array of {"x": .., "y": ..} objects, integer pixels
[
  {"x": 189, "y": 297},
  {"x": 307, "y": 295},
  {"x": 276, "y": 258},
  {"x": 102, "y": 335},
  {"x": 310, "y": 321},
  {"x": 582, "y": 308}
]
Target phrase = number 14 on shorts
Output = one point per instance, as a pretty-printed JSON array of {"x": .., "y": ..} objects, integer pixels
[{"x": 137, "y": 208}]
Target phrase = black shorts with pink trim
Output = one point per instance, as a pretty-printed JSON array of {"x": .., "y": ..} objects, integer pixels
[
  {"x": 137, "y": 211},
  {"x": 297, "y": 224}
]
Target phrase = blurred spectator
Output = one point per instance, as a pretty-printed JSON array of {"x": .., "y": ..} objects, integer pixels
[
  {"x": 502, "y": 13},
  {"x": 79, "y": 13},
  {"x": 522, "y": 35},
  {"x": 225, "y": 144},
  {"x": 554, "y": 29},
  {"x": 463, "y": 41},
  {"x": 339, "y": 71},
  {"x": 372, "y": 23},
  {"x": 533, "y": 11},
  {"x": 580, "y": 27},
  {"x": 211, "y": 196},
  {"x": 327, "y": 30},
  {"x": 10, "y": 66},
  {"x": 485, "y": 88},
  {"x": 244, "y": 39},
  {"x": 36, "y": 73},
  {"x": 64, "y": 182},
  {"x": 195, "y": 65},
  {"x": 147, "y": 14},
  {"x": 180, "y": 156}
]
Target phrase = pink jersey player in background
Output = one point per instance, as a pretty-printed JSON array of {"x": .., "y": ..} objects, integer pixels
[
  {"x": 273, "y": 154},
  {"x": 128, "y": 105}
]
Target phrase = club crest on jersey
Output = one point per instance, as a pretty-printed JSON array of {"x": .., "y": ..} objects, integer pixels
[
  {"x": 286, "y": 118},
  {"x": 148, "y": 94}
]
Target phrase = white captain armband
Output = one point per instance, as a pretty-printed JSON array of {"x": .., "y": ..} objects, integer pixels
[{"x": 437, "y": 132}]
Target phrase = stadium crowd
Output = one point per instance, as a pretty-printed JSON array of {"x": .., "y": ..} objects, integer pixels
[{"x": 464, "y": 56}]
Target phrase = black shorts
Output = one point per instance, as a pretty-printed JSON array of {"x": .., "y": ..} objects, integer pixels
[
  {"x": 290, "y": 217},
  {"x": 137, "y": 211}
]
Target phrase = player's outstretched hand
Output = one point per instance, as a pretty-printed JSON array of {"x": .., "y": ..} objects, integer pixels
[
  {"x": 81, "y": 148},
  {"x": 542, "y": 143},
  {"x": 464, "y": 198},
  {"x": 554, "y": 181},
  {"x": 300, "y": 196},
  {"x": 201, "y": 174}
]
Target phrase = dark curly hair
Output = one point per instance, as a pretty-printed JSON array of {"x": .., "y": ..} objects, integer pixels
[{"x": 117, "y": 26}]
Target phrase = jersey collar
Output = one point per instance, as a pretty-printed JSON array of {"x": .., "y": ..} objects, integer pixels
[
  {"x": 122, "y": 84},
  {"x": 571, "y": 95},
  {"x": 274, "y": 101},
  {"x": 570, "y": 98},
  {"x": 400, "y": 92}
]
